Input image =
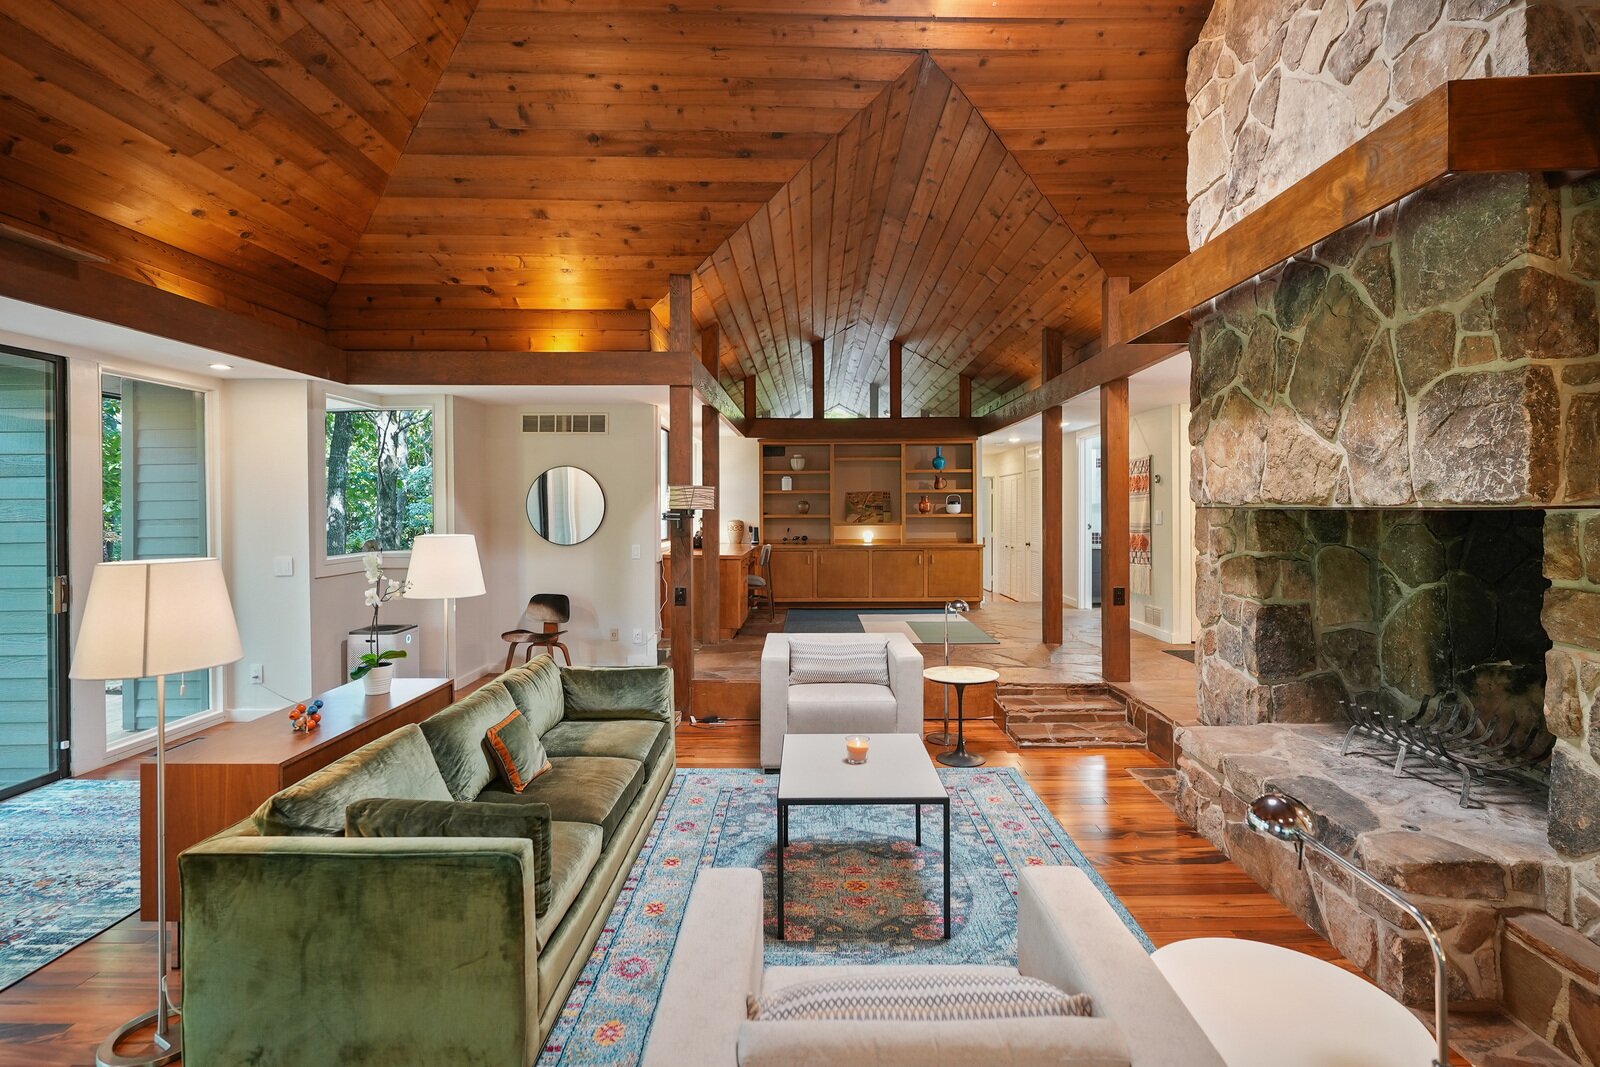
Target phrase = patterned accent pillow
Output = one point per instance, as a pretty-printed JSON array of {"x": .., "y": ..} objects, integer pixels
[
  {"x": 517, "y": 754},
  {"x": 918, "y": 995},
  {"x": 837, "y": 661}
]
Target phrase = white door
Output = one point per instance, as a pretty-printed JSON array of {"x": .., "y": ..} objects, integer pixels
[
  {"x": 989, "y": 538},
  {"x": 1006, "y": 528},
  {"x": 1089, "y": 515},
  {"x": 1033, "y": 537}
]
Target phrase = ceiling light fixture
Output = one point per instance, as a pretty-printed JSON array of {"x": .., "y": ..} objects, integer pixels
[
  {"x": 1013, "y": 440},
  {"x": 222, "y": 366}
]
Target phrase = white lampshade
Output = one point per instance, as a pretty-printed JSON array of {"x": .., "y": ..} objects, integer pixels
[
  {"x": 155, "y": 617},
  {"x": 444, "y": 566}
]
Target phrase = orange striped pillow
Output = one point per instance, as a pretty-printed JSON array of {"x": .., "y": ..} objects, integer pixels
[{"x": 516, "y": 752}]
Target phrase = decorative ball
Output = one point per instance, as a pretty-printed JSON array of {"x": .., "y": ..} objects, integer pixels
[{"x": 317, "y": 704}]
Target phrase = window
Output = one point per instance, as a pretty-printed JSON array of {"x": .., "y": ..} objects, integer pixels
[
  {"x": 380, "y": 478},
  {"x": 154, "y": 505}
]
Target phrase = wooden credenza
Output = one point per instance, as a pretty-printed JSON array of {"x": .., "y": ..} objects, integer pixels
[
  {"x": 865, "y": 574},
  {"x": 221, "y": 777},
  {"x": 734, "y": 563}
]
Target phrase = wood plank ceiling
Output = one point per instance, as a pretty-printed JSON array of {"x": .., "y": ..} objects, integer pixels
[{"x": 512, "y": 174}]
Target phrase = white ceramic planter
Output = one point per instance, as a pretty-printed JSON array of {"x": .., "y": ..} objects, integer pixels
[{"x": 377, "y": 681}]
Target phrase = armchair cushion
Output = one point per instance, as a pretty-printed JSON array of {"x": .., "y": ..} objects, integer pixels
[
  {"x": 916, "y": 994},
  {"x": 841, "y": 708},
  {"x": 395, "y": 765},
  {"x": 618, "y": 692},
  {"x": 862, "y": 661}
]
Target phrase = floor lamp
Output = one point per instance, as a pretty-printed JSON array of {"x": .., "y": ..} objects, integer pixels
[
  {"x": 444, "y": 567},
  {"x": 149, "y": 619}
]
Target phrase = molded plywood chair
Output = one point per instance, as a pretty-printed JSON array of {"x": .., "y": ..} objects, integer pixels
[
  {"x": 540, "y": 627},
  {"x": 759, "y": 584}
]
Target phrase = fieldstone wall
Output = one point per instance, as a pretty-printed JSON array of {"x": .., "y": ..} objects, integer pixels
[
  {"x": 1444, "y": 352},
  {"x": 1302, "y": 610},
  {"x": 1276, "y": 88},
  {"x": 1572, "y": 620}
]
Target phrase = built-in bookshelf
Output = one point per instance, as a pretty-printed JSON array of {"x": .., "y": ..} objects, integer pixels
[{"x": 820, "y": 499}]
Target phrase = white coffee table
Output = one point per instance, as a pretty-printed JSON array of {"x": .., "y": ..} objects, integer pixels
[
  {"x": 898, "y": 772},
  {"x": 1257, "y": 1001}
]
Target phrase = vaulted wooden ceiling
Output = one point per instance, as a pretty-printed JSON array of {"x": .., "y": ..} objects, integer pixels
[{"x": 516, "y": 174}]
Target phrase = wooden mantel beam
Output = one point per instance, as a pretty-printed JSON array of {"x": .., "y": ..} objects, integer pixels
[
  {"x": 1474, "y": 126},
  {"x": 1119, "y": 361}
]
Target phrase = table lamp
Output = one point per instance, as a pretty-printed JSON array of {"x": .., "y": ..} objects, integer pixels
[
  {"x": 1282, "y": 816},
  {"x": 149, "y": 619},
  {"x": 444, "y": 567}
]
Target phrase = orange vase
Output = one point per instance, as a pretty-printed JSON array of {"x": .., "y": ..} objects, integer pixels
[{"x": 925, "y": 506}]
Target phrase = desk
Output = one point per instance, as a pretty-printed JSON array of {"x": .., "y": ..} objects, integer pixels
[
  {"x": 220, "y": 777},
  {"x": 733, "y": 607}
]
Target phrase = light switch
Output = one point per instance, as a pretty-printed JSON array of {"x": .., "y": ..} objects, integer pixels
[
  {"x": 635, "y": 551},
  {"x": 283, "y": 566},
  {"x": 1159, "y": 518}
]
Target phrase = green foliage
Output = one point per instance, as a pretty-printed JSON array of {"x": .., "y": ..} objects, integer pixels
[
  {"x": 380, "y": 486},
  {"x": 370, "y": 660},
  {"x": 111, "y": 477}
]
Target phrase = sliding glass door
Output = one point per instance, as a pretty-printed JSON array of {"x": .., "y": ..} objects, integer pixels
[{"x": 33, "y": 639}]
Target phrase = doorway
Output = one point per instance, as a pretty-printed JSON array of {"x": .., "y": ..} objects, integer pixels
[
  {"x": 1089, "y": 510},
  {"x": 33, "y": 590}
]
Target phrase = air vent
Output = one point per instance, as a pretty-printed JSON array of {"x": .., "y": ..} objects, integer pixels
[
  {"x": 1152, "y": 615},
  {"x": 565, "y": 423}
]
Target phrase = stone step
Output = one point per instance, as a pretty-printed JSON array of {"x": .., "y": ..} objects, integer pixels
[
  {"x": 1066, "y": 716},
  {"x": 1071, "y": 735}
]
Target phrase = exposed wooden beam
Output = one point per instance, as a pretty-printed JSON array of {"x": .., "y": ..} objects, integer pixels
[
  {"x": 708, "y": 570},
  {"x": 897, "y": 385},
  {"x": 1475, "y": 126},
  {"x": 680, "y": 313},
  {"x": 521, "y": 368},
  {"x": 1050, "y": 354},
  {"x": 1116, "y": 642},
  {"x": 818, "y": 379},
  {"x": 708, "y": 389},
  {"x": 680, "y": 471},
  {"x": 1117, "y": 362},
  {"x": 711, "y": 349},
  {"x": 1113, "y": 298},
  {"x": 964, "y": 397},
  {"x": 920, "y": 429},
  {"x": 750, "y": 404}
]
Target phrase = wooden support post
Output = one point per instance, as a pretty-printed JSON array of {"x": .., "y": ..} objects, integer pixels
[
  {"x": 711, "y": 349},
  {"x": 1051, "y": 600},
  {"x": 818, "y": 375},
  {"x": 896, "y": 378},
  {"x": 1115, "y": 639},
  {"x": 680, "y": 315},
  {"x": 680, "y": 471},
  {"x": 1112, "y": 295},
  {"x": 749, "y": 400},
  {"x": 708, "y": 569},
  {"x": 964, "y": 404}
]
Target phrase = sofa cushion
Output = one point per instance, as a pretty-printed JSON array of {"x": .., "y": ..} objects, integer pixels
[
  {"x": 574, "y": 850},
  {"x": 840, "y": 708},
  {"x": 916, "y": 994},
  {"x": 535, "y": 687},
  {"x": 399, "y": 764},
  {"x": 864, "y": 660},
  {"x": 456, "y": 737},
  {"x": 387, "y": 817},
  {"x": 618, "y": 693},
  {"x": 624, "y": 738},
  {"x": 518, "y": 756},
  {"x": 591, "y": 789}
]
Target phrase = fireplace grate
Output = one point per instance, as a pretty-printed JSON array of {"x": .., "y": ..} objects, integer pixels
[{"x": 1448, "y": 733}]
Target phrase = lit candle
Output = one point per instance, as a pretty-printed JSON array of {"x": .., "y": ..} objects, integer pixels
[
  {"x": 867, "y": 537},
  {"x": 856, "y": 746}
]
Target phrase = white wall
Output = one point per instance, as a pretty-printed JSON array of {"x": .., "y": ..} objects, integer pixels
[
  {"x": 739, "y": 468},
  {"x": 609, "y": 587},
  {"x": 1155, "y": 433}
]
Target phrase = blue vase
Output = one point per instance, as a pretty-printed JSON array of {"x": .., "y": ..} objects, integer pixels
[{"x": 938, "y": 458}]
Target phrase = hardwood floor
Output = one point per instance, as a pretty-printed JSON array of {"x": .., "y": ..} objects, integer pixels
[{"x": 1171, "y": 879}]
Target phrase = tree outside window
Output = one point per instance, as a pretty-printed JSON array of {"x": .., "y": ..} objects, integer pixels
[{"x": 380, "y": 479}]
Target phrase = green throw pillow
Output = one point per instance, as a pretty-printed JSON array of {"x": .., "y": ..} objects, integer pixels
[
  {"x": 516, "y": 752},
  {"x": 392, "y": 817}
]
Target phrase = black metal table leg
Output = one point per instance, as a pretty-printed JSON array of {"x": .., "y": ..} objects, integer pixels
[
  {"x": 783, "y": 831},
  {"x": 946, "y": 806},
  {"x": 959, "y": 756},
  {"x": 918, "y": 809}
]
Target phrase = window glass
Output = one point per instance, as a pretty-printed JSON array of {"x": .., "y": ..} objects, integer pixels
[{"x": 380, "y": 478}]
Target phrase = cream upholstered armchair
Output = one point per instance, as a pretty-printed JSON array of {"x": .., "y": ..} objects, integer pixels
[
  {"x": 1067, "y": 935},
  {"x": 837, "y": 684}
]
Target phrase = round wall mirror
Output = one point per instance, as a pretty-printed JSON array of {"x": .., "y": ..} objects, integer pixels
[{"x": 565, "y": 505}]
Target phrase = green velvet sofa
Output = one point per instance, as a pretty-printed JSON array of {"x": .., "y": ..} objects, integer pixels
[{"x": 303, "y": 946}]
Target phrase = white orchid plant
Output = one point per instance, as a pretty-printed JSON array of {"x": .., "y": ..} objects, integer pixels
[{"x": 380, "y": 590}]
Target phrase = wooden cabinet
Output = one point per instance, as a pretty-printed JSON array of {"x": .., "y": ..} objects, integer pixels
[
  {"x": 897, "y": 573},
  {"x": 954, "y": 572},
  {"x": 843, "y": 573},
  {"x": 794, "y": 574}
]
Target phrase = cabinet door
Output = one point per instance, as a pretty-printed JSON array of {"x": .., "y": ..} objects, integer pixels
[
  {"x": 897, "y": 573},
  {"x": 955, "y": 572},
  {"x": 842, "y": 573},
  {"x": 794, "y": 574}
]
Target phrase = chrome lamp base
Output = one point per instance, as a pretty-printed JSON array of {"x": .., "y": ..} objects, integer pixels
[{"x": 162, "y": 1049}]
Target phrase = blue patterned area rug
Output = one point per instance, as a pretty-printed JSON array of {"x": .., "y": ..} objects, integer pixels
[
  {"x": 858, "y": 890},
  {"x": 69, "y": 868}
]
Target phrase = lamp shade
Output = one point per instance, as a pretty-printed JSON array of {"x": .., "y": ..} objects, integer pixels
[
  {"x": 156, "y": 617},
  {"x": 444, "y": 566}
]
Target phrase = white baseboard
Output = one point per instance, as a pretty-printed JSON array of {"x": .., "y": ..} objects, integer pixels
[{"x": 1165, "y": 636}]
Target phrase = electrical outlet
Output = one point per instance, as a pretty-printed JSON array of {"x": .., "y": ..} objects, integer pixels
[
  {"x": 257, "y": 673},
  {"x": 615, "y": 634},
  {"x": 638, "y": 636}
]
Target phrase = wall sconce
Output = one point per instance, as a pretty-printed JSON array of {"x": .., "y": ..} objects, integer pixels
[{"x": 684, "y": 501}]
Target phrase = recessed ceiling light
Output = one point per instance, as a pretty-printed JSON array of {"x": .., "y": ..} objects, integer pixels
[
  {"x": 222, "y": 366},
  {"x": 1013, "y": 440}
]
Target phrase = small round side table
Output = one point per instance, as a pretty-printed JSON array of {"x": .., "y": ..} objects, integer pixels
[{"x": 960, "y": 678}]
